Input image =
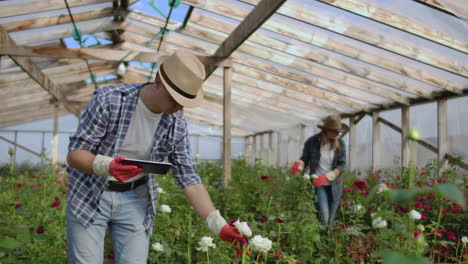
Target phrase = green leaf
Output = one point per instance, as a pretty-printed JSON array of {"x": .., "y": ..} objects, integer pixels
[
  {"x": 9, "y": 243},
  {"x": 402, "y": 195},
  {"x": 451, "y": 191},
  {"x": 398, "y": 258}
]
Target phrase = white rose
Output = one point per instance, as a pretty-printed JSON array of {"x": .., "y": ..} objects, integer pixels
[
  {"x": 260, "y": 243},
  {"x": 165, "y": 208},
  {"x": 306, "y": 177},
  {"x": 357, "y": 208},
  {"x": 464, "y": 240},
  {"x": 158, "y": 247},
  {"x": 379, "y": 223},
  {"x": 382, "y": 188},
  {"x": 161, "y": 190},
  {"x": 413, "y": 214},
  {"x": 243, "y": 228},
  {"x": 205, "y": 243},
  {"x": 420, "y": 227}
]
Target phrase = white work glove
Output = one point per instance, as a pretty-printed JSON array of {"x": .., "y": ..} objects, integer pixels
[
  {"x": 101, "y": 165},
  {"x": 215, "y": 222},
  {"x": 330, "y": 175}
]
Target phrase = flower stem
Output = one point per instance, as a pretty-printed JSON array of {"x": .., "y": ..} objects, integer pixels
[{"x": 189, "y": 260}]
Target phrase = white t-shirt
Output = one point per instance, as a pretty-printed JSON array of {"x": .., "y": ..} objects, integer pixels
[
  {"x": 326, "y": 160},
  {"x": 140, "y": 135}
]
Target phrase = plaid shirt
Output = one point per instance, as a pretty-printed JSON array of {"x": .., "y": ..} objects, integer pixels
[
  {"x": 311, "y": 158},
  {"x": 102, "y": 129}
]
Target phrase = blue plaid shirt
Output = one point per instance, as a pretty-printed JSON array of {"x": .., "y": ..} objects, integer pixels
[{"x": 102, "y": 129}]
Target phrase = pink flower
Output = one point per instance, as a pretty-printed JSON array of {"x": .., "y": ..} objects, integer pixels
[
  {"x": 416, "y": 233},
  {"x": 424, "y": 216},
  {"x": 57, "y": 198},
  {"x": 418, "y": 204},
  {"x": 350, "y": 190},
  {"x": 422, "y": 173},
  {"x": 344, "y": 203},
  {"x": 364, "y": 192},
  {"x": 456, "y": 204},
  {"x": 422, "y": 198},
  {"x": 55, "y": 204},
  {"x": 457, "y": 210},
  {"x": 40, "y": 230},
  {"x": 427, "y": 207}
]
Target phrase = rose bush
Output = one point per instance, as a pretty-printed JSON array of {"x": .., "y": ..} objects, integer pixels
[{"x": 381, "y": 218}]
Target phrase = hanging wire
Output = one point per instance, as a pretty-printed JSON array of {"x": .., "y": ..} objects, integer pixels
[
  {"x": 164, "y": 31},
  {"x": 79, "y": 38}
]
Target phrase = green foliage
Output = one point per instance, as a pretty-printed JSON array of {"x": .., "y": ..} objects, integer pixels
[{"x": 276, "y": 204}]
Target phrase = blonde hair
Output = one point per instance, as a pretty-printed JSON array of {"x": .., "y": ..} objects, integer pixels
[{"x": 324, "y": 140}]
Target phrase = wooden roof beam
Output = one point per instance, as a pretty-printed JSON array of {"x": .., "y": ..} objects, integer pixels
[
  {"x": 320, "y": 59},
  {"x": 393, "y": 19},
  {"x": 372, "y": 55},
  {"x": 374, "y": 38},
  {"x": 309, "y": 80},
  {"x": 15, "y": 8},
  {"x": 309, "y": 90},
  {"x": 29, "y": 67},
  {"x": 249, "y": 25}
]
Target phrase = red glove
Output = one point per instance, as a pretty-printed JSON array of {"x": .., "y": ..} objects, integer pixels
[
  {"x": 321, "y": 180},
  {"x": 123, "y": 172},
  {"x": 229, "y": 234},
  {"x": 297, "y": 167}
]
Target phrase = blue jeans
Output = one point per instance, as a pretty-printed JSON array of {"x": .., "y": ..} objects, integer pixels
[
  {"x": 326, "y": 206},
  {"x": 124, "y": 213}
]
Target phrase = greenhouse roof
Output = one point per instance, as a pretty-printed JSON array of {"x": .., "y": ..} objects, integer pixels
[{"x": 292, "y": 61}]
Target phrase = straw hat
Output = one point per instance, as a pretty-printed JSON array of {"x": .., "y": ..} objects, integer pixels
[
  {"x": 333, "y": 122},
  {"x": 183, "y": 74}
]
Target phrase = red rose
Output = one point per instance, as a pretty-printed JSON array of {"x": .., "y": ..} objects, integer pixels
[{"x": 40, "y": 230}]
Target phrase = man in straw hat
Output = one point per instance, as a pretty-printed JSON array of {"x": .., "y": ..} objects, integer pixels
[
  {"x": 139, "y": 121},
  {"x": 324, "y": 155}
]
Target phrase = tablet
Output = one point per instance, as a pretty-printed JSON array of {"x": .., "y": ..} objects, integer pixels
[{"x": 149, "y": 166}]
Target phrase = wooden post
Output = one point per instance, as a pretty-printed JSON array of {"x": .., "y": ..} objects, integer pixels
[
  {"x": 270, "y": 148},
  {"x": 375, "y": 141},
  {"x": 290, "y": 140},
  {"x": 227, "y": 124},
  {"x": 42, "y": 143},
  {"x": 278, "y": 149},
  {"x": 405, "y": 147},
  {"x": 254, "y": 148},
  {"x": 262, "y": 146},
  {"x": 302, "y": 137},
  {"x": 442, "y": 139},
  {"x": 246, "y": 146},
  {"x": 352, "y": 143},
  {"x": 55, "y": 136}
]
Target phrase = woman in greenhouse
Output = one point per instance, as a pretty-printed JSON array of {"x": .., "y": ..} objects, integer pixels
[
  {"x": 139, "y": 121},
  {"x": 324, "y": 156}
]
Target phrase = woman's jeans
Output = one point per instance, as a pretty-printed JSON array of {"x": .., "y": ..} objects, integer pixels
[
  {"x": 326, "y": 206},
  {"x": 124, "y": 213}
]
